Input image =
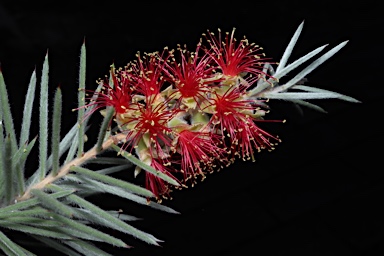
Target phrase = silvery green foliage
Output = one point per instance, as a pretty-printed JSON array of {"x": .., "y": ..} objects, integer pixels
[
  {"x": 51, "y": 204},
  {"x": 271, "y": 89}
]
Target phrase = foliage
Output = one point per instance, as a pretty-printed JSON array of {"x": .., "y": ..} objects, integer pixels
[{"x": 51, "y": 205}]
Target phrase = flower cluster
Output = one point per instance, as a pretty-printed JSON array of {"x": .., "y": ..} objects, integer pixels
[{"x": 188, "y": 112}]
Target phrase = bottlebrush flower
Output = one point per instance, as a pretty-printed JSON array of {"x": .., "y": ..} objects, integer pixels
[
  {"x": 158, "y": 186},
  {"x": 116, "y": 93},
  {"x": 234, "y": 116},
  {"x": 235, "y": 59},
  {"x": 147, "y": 72},
  {"x": 194, "y": 112},
  {"x": 191, "y": 76},
  {"x": 200, "y": 152}
]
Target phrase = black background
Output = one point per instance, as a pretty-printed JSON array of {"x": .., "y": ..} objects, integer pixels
[{"x": 319, "y": 193}]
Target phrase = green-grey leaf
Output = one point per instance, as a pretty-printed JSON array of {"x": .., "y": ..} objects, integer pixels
[
  {"x": 35, "y": 211},
  {"x": 72, "y": 150},
  {"x": 56, "y": 125},
  {"x": 14, "y": 248},
  {"x": 56, "y": 245},
  {"x": 104, "y": 127},
  {"x": 99, "y": 216},
  {"x": 52, "y": 204},
  {"x": 30, "y": 220},
  {"x": 112, "y": 181},
  {"x": 8, "y": 172},
  {"x": 91, "y": 231},
  {"x": 108, "y": 160},
  {"x": 65, "y": 143},
  {"x": 309, "y": 68},
  {"x": 309, "y": 105},
  {"x": 22, "y": 153},
  {"x": 43, "y": 120},
  {"x": 99, "y": 186},
  {"x": 282, "y": 72},
  {"x": 314, "y": 89},
  {"x": 299, "y": 95},
  {"x": 6, "y": 114},
  {"x": 2, "y": 169},
  {"x": 31, "y": 202},
  {"x": 6, "y": 250},
  {"x": 27, "y": 113},
  {"x": 81, "y": 101},
  {"x": 288, "y": 50},
  {"x": 123, "y": 216},
  {"x": 144, "y": 166},
  {"x": 86, "y": 248},
  {"x": 41, "y": 231}
]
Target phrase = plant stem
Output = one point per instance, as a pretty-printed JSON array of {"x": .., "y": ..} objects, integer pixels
[{"x": 64, "y": 170}]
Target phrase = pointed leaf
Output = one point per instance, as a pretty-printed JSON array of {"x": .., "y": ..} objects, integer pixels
[
  {"x": 56, "y": 125},
  {"x": 81, "y": 101},
  {"x": 27, "y": 113},
  {"x": 22, "y": 153},
  {"x": 288, "y": 50},
  {"x": 311, "y": 67},
  {"x": 6, "y": 114},
  {"x": 31, "y": 202},
  {"x": 56, "y": 245},
  {"x": 14, "y": 248},
  {"x": 8, "y": 172},
  {"x": 108, "y": 160},
  {"x": 51, "y": 203},
  {"x": 144, "y": 166},
  {"x": 314, "y": 89},
  {"x": 91, "y": 231},
  {"x": 309, "y": 105},
  {"x": 72, "y": 150},
  {"x": 285, "y": 71},
  {"x": 102, "y": 217},
  {"x": 112, "y": 181},
  {"x": 104, "y": 127},
  {"x": 43, "y": 120},
  {"x": 86, "y": 248},
  {"x": 48, "y": 232},
  {"x": 299, "y": 95}
]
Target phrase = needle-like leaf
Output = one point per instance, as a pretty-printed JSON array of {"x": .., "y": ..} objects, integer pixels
[
  {"x": 51, "y": 203},
  {"x": 56, "y": 123},
  {"x": 144, "y": 166},
  {"x": 56, "y": 245},
  {"x": 86, "y": 248},
  {"x": 28, "y": 106},
  {"x": 91, "y": 231},
  {"x": 288, "y": 50},
  {"x": 6, "y": 114},
  {"x": 112, "y": 181},
  {"x": 9, "y": 246},
  {"x": 81, "y": 101},
  {"x": 43, "y": 120},
  {"x": 8, "y": 172},
  {"x": 104, "y": 127}
]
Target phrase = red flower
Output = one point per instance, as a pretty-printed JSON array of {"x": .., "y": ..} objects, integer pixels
[
  {"x": 199, "y": 152},
  {"x": 147, "y": 72},
  {"x": 116, "y": 93},
  {"x": 235, "y": 59},
  {"x": 230, "y": 109},
  {"x": 150, "y": 119},
  {"x": 158, "y": 186},
  {"x": 249, "y": 137},
  {"x": 233, "y": 117},
  {"x": 192, "y": 74}
]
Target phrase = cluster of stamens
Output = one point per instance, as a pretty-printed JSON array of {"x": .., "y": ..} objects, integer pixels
[{"x": 187, "y": 113}]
